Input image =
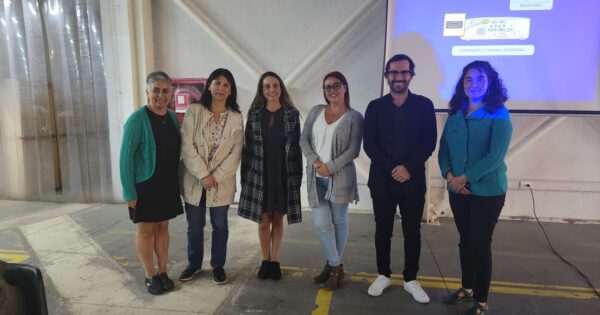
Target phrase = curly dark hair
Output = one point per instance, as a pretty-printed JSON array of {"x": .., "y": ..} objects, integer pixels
[{"x": 494, "y": 98}]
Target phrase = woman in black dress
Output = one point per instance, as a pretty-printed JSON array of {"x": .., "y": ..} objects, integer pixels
[
  {"x": 149, "y": 167},
  {"x": 271, "y": 168}
]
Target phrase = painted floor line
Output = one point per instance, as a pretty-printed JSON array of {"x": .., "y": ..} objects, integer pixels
[
  {"x": 84, "y": 274},
  {"x": 324, "y": 296},
  {"x": 499, "y": 283},
  {"x": 495, "y": 289},
  {"x": 12, "y": 256},
  {"x": 503, "y": 287},
  {"x": 322, "y": 301}
]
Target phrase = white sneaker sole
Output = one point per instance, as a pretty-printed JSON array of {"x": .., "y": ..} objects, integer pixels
[
  {"x": 219, "y": 283},
  {"x": 369, "y": 292},
  {"x": 415, "y": 298}
]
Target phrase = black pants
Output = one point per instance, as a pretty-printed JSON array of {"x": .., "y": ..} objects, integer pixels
[
  {"x": 476, "y": 218},
  {"x": 411, "y": 202}
]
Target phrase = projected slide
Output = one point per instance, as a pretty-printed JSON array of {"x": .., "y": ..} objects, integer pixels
[{"x": 546, "y": 51}]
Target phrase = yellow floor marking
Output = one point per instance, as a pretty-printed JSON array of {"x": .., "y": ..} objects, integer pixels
[
  {"x": 542, "y": 286},
  {"x": 322, "y": 301},
  {"x": 13, "y": 256},
  {"x": 499, "y": 283},
  {"x": 545, "y": 293},
  {"x": 293, "y": 268},
  {"x": 497, "y": 287}
]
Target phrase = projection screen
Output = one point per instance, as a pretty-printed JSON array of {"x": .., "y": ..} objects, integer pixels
[{"x": 546, "y": 52}]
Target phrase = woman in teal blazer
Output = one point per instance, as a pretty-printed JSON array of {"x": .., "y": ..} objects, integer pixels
[{"x": 471, "y": 157}]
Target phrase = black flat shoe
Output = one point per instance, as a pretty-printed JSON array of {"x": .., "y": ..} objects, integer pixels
[
  {"x": 265, "y": 270},
  {"x": 460, "y": 296},
  {"x": 166, "y": 283},
  {"x": 188, "y": 274},
  {"x": 275, "y": 270},
  {"x": 478, "y": 309},
  {"x": 153, "y": 285},
  {"x": 219, "y": 275}
]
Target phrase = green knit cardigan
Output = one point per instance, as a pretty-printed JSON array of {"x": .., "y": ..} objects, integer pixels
[{"x": 138, "y": 151}]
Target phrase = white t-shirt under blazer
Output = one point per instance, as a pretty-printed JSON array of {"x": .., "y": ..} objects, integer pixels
[{"x": 322, "y": 137}]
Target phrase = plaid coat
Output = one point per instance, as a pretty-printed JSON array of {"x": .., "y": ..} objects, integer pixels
[{"x": 252, "y": 196}]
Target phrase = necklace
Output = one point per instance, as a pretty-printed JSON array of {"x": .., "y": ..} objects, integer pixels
[{"x": 162, "y": 119}]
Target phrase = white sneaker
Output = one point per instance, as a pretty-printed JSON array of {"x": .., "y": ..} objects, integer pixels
[
  {"x": 381, "y": 283},
  {"x": 414, "y": 288}
]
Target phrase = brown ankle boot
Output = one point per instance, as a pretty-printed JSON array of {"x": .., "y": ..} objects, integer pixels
[
  {"x": 324, "y": 275},
  {"x": 341, "y": 274},
  {"x": 334, "y": 278}
]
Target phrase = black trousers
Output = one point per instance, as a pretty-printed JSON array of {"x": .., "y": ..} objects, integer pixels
[
  {"x": 476, "y": 218},
  {"x": 411, "y": 200}
]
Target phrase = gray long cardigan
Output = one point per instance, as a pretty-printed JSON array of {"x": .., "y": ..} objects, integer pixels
[{"x": 347, "y": 138}]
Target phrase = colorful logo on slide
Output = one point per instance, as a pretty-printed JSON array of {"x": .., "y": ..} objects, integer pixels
[{"x": 489, "y": 28}]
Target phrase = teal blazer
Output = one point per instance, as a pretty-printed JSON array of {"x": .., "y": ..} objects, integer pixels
[
  {"x": 476, "y": 146},
  {"x": 138, "y": 151}
]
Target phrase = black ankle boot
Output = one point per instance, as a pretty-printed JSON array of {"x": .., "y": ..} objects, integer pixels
[
  {"x": 265, "y": 270},
  {"x": 275, "y": 270}
]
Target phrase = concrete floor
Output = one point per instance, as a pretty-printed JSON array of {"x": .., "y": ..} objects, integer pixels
[{"x": 87, "y": 254}]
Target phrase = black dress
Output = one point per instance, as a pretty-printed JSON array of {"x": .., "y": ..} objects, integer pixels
[
  {"x": 273, "y": 134},
  {"x": 158, "y": 197}
]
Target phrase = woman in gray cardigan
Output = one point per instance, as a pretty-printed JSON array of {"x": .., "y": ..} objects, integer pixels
[{"x": 331, "y": 141}]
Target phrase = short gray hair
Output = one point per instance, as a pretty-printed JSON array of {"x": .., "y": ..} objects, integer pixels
[{"x": 157, "y": 76}]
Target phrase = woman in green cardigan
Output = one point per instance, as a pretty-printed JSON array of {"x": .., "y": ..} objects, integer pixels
[
  {"x": 471, "y": 157},
  {"x": 149, "y": 175}
]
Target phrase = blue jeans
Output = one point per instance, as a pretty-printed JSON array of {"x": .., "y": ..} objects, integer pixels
[
  {"x": 331, "y": 224},
  {"x": 196, "y": 217}
]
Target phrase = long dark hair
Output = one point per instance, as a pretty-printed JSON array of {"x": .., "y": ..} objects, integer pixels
[
  {"x": 338, "y": 75},
  {"x": 260, "y": 99},
  {"x": 231, "y": 102},
  {"x": 494, "y": 97}
]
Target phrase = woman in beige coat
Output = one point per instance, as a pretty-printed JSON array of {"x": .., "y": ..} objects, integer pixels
[{"x": 212, "y": 137}]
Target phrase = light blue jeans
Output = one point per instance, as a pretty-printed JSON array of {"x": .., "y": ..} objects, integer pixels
[{"x": 331, "y": 224}]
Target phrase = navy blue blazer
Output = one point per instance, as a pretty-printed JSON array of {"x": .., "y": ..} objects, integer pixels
[{"x": 404, "y": 135}]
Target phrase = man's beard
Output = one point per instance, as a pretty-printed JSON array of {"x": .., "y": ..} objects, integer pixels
[{"x": 400, "y": 89}]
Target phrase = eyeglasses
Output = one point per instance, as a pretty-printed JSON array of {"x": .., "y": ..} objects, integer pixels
[
  {"x": 336, "y": 86},
  {"x": 395, "y": 73}
]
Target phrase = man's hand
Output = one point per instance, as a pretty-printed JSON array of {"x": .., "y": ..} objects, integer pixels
[
  {"x": 132, "y": 203},
  {"x": 401, "y": 174}
]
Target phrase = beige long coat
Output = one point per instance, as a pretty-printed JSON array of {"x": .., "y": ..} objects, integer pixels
[{"x": 194, "y": 154}]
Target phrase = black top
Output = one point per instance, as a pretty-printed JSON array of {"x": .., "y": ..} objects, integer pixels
[
  {"x": 158, "y": 197},
  {"x": 393, "y": 135},
  {"x": 273, "y": 133}
]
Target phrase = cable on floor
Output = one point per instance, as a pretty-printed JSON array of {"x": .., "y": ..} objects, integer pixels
[
  {"x": 437, "y": 265},
  {"x": 554, "y": 250}
]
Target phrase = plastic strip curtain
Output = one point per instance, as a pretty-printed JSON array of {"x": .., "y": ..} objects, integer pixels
[
  {"x": 70, "y": 58},
  {"x": 26, "y": 164}
]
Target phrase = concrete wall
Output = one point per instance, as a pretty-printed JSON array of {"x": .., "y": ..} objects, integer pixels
[{"x": 303, "y": 40}]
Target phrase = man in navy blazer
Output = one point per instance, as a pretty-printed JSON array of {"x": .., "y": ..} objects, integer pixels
[{"x": 399, "y": 136}]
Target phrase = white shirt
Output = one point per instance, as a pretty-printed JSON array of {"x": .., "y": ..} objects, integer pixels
[{"x": 322, "y": 137}]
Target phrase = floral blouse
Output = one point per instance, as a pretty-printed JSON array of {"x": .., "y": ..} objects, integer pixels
[{"x": 216, "y": 124}]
